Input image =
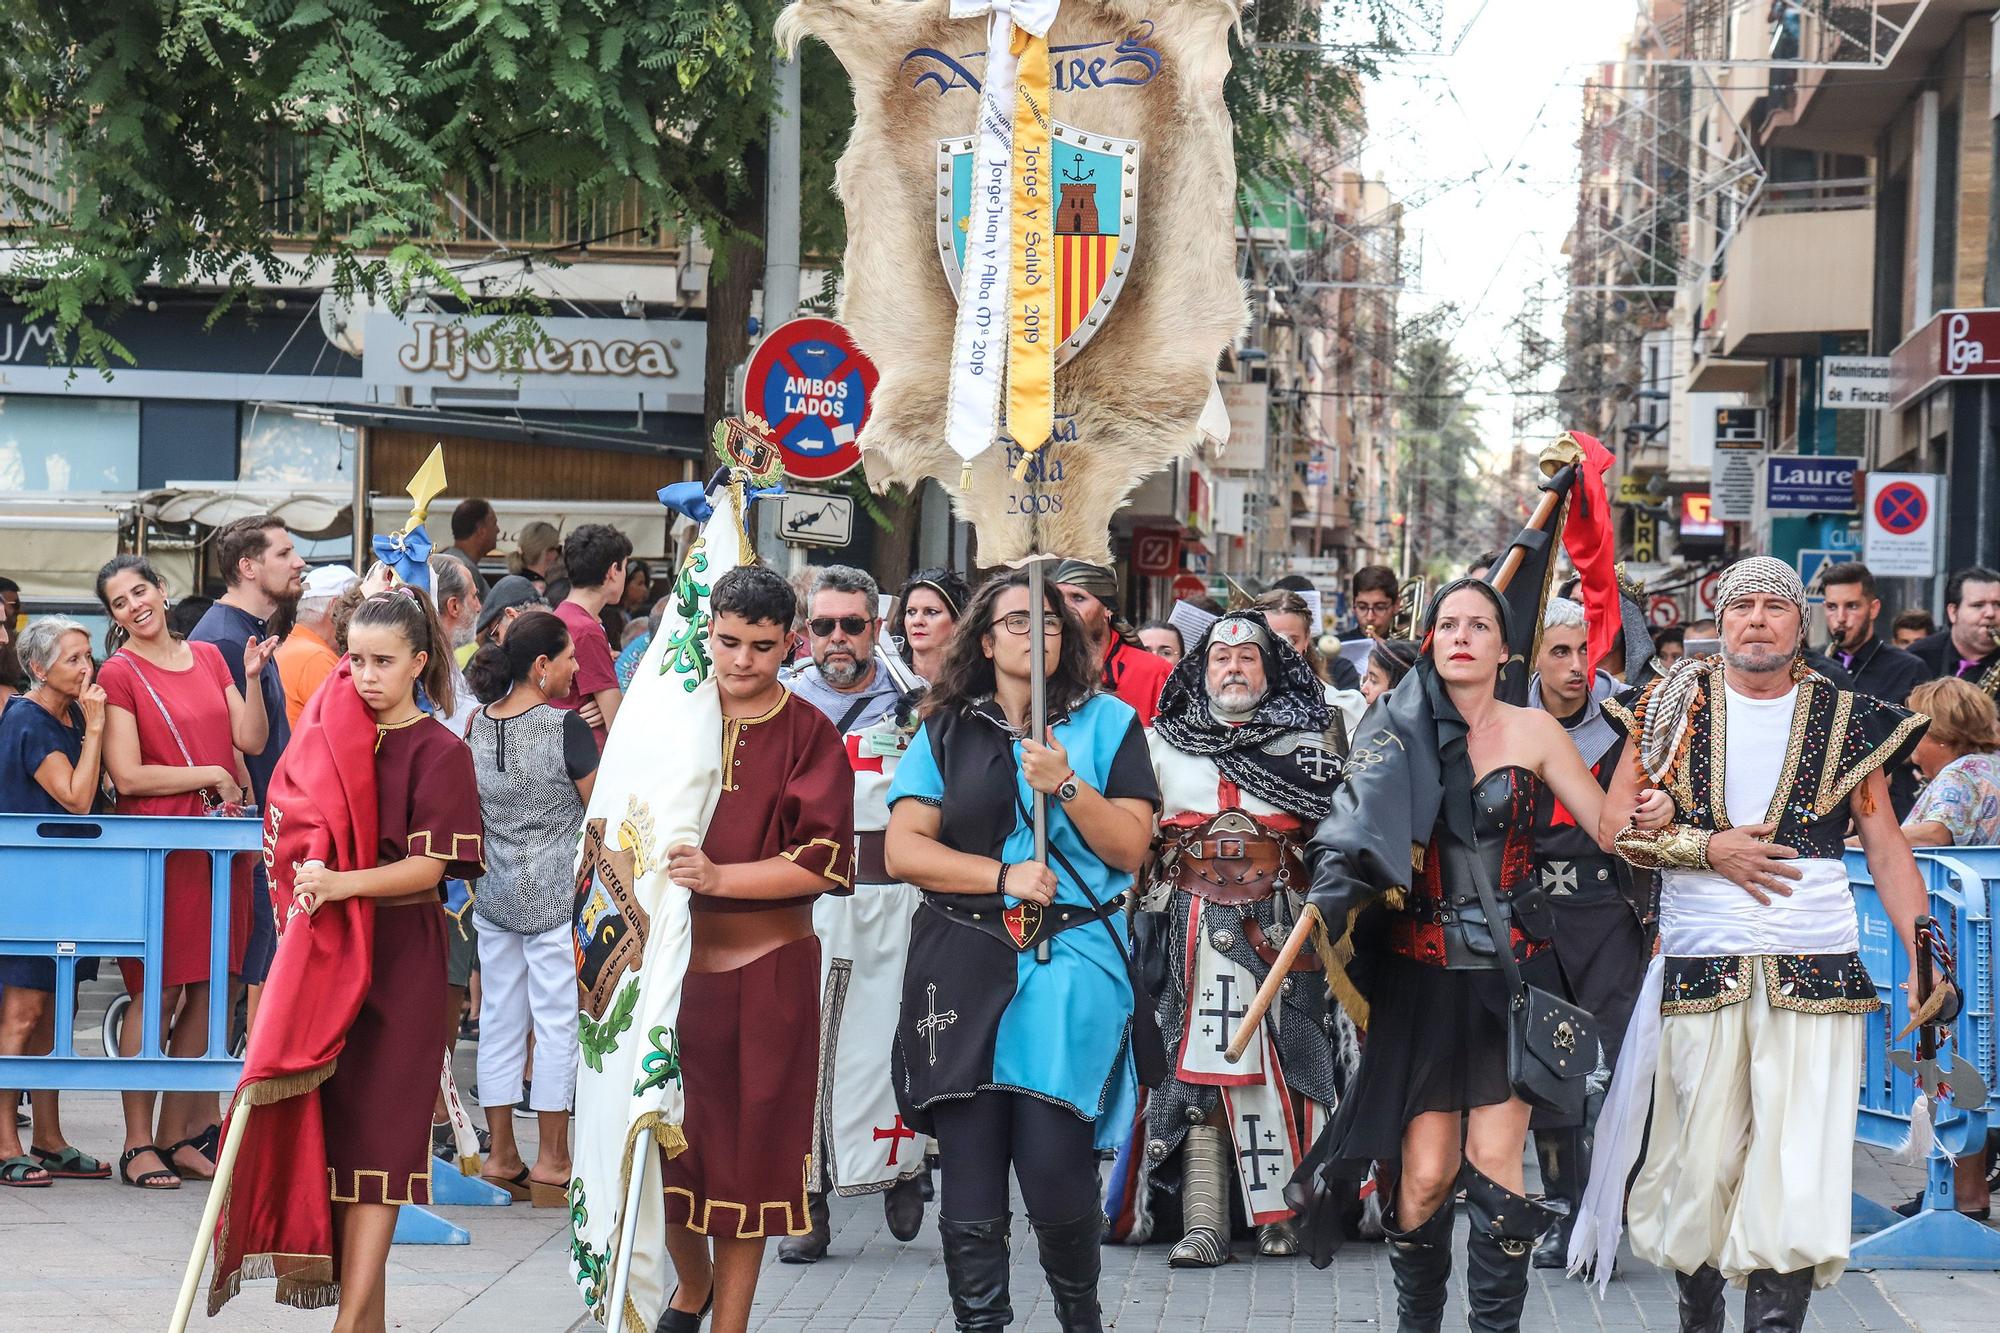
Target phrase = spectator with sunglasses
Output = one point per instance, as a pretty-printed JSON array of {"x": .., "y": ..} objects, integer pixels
[{"x": 927, "y": 611}]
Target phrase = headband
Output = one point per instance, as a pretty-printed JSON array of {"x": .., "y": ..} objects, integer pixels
[
  {"x": 950, "y": 602},
  {"x": 1236, "y": 629},
  {"x": 1759, "y": 575}
]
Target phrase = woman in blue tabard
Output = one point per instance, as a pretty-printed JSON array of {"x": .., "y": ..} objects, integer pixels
[{"x": 1007, "y": 1059}]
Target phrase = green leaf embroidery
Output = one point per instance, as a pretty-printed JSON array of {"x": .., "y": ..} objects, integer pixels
[
  {"x": 661, "y": 1064},
  {"x": 599, "y": 1038}
]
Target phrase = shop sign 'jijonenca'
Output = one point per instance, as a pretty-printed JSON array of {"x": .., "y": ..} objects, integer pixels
[{"x": 606, "y": 353}]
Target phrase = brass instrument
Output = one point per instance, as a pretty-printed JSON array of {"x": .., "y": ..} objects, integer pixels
[{"x": 1410, "y": 598}]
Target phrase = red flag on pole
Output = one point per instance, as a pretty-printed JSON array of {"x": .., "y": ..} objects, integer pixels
[
  {"x": 277, "y": 1219},
  {"x": 1592, "y": 543}
]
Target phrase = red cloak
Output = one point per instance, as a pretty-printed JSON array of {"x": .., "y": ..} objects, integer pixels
[{"x": 277, "y": 1217}]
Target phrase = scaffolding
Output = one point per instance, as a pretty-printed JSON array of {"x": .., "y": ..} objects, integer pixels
[{"x": 1802, "y": 34}]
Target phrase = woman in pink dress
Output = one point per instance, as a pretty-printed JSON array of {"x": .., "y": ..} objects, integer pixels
[{"x": 176, "y": 729}]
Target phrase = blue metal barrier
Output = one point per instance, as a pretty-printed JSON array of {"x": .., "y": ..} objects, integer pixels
[
  {"x": 81, "y": 886},
  {"x": 87, "y": 886},
  {"x": 1963, "y": 886}
]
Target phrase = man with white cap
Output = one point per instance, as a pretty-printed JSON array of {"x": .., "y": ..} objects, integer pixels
[
  {"x": 307, "y": 657},
  {"x": 1746, "y": 1040}
]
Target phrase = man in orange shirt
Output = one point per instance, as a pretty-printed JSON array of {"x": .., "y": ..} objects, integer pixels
[
  {"x": 307, "y": 656},
  {"x": 1130, "y": 672}
]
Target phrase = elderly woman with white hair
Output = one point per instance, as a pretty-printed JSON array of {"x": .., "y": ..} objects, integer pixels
[{"x": 51, "y": 745}]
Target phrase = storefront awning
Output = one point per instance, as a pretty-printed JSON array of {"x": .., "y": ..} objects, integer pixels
[{"x": 1722, "y": 374}]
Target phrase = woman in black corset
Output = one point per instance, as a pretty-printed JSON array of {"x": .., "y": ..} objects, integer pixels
[{"x": 1445, "y": 766}]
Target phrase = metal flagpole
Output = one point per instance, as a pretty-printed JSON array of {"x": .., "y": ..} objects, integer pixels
[
  {"x": 628, "y": 1231},
  {"x": 1038, "y": 709}
]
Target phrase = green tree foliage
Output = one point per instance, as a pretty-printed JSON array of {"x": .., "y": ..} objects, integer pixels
[
  {"x": 1447, "y": 490},
  {"x": 141, "y": 138}
]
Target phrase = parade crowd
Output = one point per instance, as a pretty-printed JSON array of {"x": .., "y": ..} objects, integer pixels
[{"x": 1614, "y": 922}]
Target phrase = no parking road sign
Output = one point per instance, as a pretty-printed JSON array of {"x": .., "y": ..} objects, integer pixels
[
  {"x": 1899, "y": 535},
  {"x": 813, "y": 385}
]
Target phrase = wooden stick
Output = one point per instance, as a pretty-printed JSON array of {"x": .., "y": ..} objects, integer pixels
[
  {"x": 1267, "y": 994},
  {"x": 218, "y": 1190}
]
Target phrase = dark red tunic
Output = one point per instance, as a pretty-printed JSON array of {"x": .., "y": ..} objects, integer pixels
[
  {"x": 750, "y": 1037},
  {"x": 378, "y": 1102}
]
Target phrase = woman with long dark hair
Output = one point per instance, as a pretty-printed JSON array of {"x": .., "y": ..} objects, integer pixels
[
  {"x": 1457, "y": 772},
  {"x": 535, "y": 765},
  {"x": 1013, "y": 1048},
  {"x": 176, "y": 729},
  {"x": 927, "y": 611}
]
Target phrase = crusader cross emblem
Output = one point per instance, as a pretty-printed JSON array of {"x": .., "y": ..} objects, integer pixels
[
  {"x": 1560, "y": 878},
  {"x": 1256, "y": 1136},
  {"x": 1022, "y": 921},
  {"x": 934, "y": 1022},
  {"x": 1318, "y": 763},
  {"x": 895, "y": 1133},
  {"x": 1225, "y": 1011}
]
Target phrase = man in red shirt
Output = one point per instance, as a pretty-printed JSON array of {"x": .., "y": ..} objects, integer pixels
[
  {"x": 1130, "y": 672},
  {"x": 595, "y": 556}
]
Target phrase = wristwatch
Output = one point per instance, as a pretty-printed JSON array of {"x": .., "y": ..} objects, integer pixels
[{"x": 1066, "y": 791}]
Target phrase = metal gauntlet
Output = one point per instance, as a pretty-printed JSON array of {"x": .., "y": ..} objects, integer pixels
[{"x": 1675, "y": 847}]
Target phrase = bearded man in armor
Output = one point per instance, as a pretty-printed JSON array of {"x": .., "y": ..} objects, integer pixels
[{"x": 1247, "y": 752}]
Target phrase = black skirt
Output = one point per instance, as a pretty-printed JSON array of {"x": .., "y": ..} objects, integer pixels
[{"x": 1436, "y": 1041}]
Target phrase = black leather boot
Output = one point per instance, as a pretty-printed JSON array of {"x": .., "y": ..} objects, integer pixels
[
  {"x": 975, "y": 1271},
  {"x": 903, "y": 1208},
  {"x": 1420, "y": 1261},
  {"x": 1776, "y": 1302},
  {"x": 1505, "y": 1227},
  {"x": 1565, "y": 1169},
  {"x": 1701, "y": 1300},
  {"x": 1072, "y": 1259},
  {"x": 811, "y": 1247}
]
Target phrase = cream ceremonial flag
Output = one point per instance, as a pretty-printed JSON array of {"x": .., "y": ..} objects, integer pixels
[{"x": 632, "y": 925}]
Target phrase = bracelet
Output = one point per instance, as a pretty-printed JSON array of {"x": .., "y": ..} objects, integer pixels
[
  {"x": 1000, "y": 885},
  {"x": 1675, "y": 847}
]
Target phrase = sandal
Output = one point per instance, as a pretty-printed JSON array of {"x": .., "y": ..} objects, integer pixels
[
  {"x": 197, "y": 1173},
  {"x": 516, "y": 1185},
  {"x": 23, "y": 1173},
  {"x": 167, "y": 1179},
  {"x": 70, "y": 1164},
  {"x": 209, "y": 1141}
]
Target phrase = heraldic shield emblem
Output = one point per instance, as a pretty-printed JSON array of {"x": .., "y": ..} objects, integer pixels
[
  {"x": 1096, "y": 224},
  {"x": 609, "y": 923}
]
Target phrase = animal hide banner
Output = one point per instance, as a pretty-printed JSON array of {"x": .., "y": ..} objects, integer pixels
[{"x": 1146, "y": 295}]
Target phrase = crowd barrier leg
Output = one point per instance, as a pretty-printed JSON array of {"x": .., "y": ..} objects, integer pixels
[
  {"x": 421, "y": 1226},
  {"x": 450, "y": 1186}
]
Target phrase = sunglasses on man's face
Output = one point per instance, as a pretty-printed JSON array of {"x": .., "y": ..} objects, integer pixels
[{"x": 851, "y": 626}]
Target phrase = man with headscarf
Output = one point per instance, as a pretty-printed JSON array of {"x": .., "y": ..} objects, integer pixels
[
  {"x": 1600, "y": 938},
  {"x": 1130, "y": 672},
  {"x": 1747, "y": 1041},
  {"x": 1247, "y": 752}
]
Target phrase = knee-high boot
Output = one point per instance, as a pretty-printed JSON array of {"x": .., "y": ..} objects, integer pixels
[
  {"x": 1204, "y": 1241},
  {"x": 1072, "y": 1260},
  {"x": 1420, "y": 1260},
  {"x": 975, "y": 1271},
  {"x": 1776, "y": 1302},
  {"x": 1505, "y": 1227},
  {"x": 1565, "y": 1170},
  {"x": 1701, "y": 1300}
]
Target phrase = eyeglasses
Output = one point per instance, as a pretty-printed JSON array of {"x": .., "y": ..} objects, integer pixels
[
  {"x": 851, "y": 626},
  {"x": 1016, "y": 622},
  {"x": 1360, "y": 605}
]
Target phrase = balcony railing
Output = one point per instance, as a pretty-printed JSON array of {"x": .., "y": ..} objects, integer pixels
[
  {"x": 471, "y": 212},
  {"x": 1827, "y": 196}
]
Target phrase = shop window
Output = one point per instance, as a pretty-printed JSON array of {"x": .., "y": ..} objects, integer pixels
[
  {"x": 282, "y": 448},
  {"x": 56, "y": 445}
]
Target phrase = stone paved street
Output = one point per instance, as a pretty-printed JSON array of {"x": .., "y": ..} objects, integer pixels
[
  {"x": 101, "y": 1253},
  {"x": 110, "y": 1256}
]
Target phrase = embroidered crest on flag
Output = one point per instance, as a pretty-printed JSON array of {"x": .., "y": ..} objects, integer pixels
[{"x": 1096, "y": 224}]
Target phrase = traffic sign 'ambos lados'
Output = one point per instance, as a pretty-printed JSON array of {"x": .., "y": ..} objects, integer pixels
[{"x": 809, "y": 380}]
